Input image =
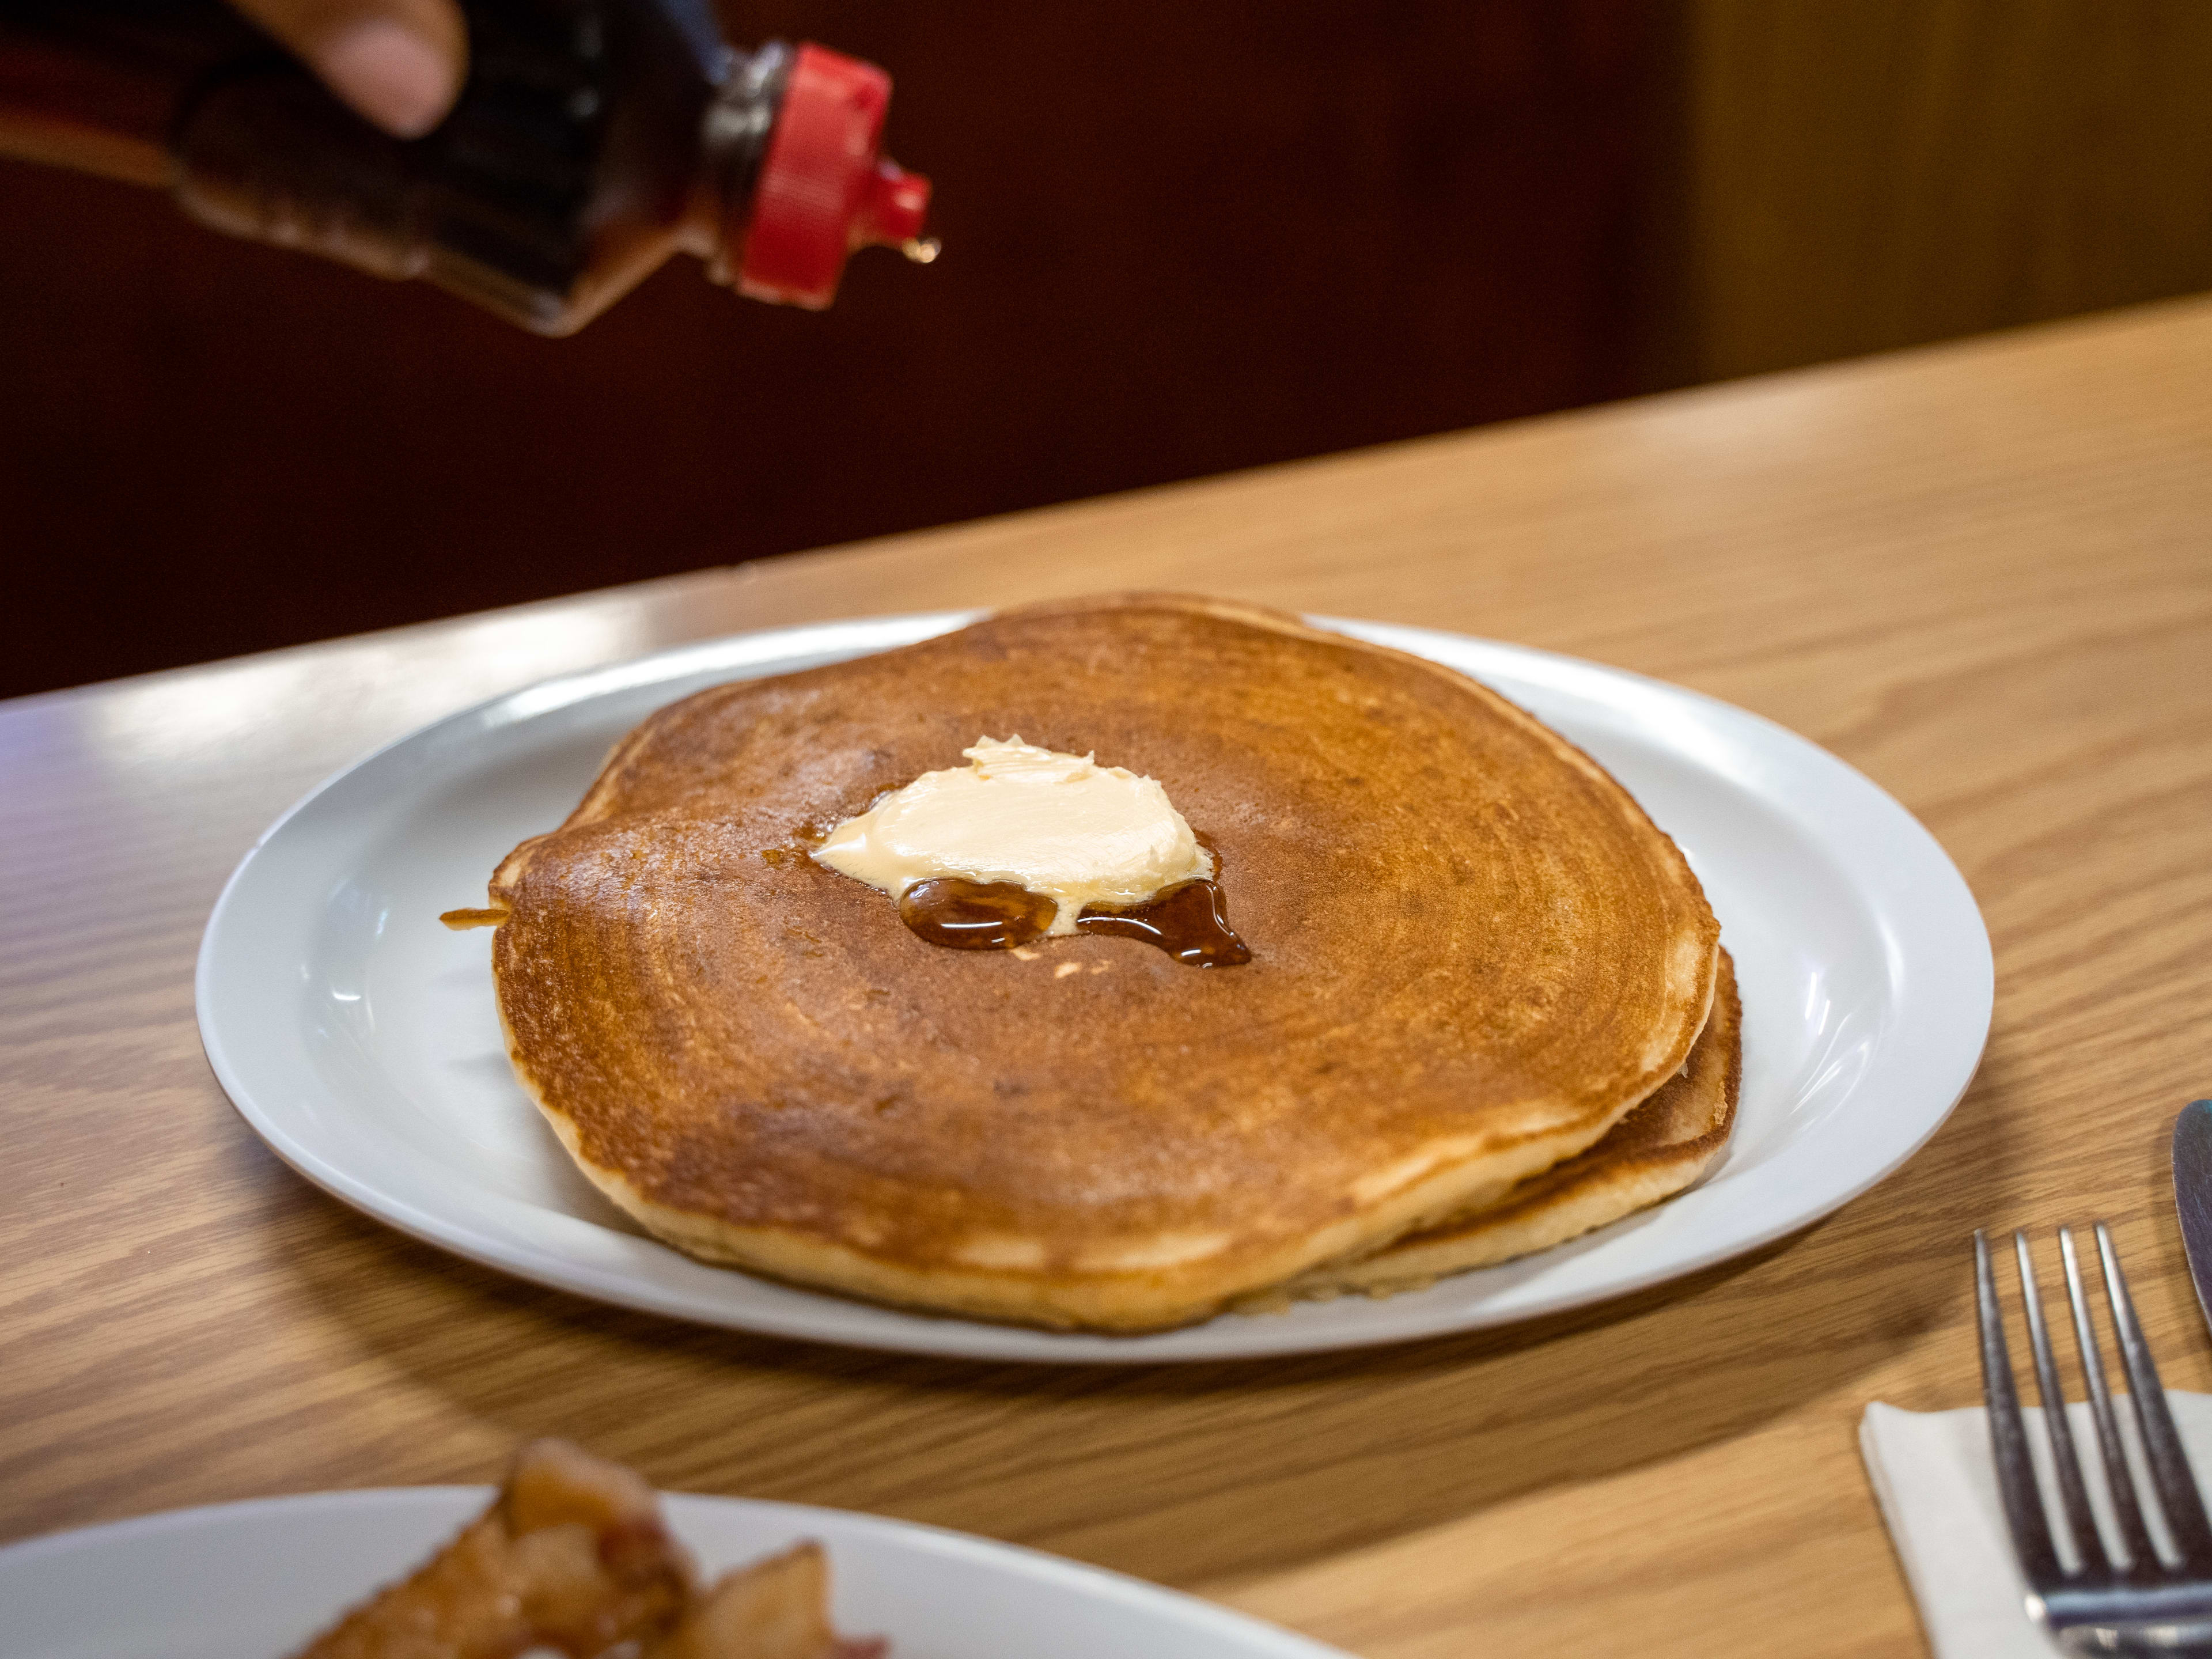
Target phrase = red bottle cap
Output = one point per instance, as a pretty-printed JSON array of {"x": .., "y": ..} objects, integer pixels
[{"x": 824, "y": 190}]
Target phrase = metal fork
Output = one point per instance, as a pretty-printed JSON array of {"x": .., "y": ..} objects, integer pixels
[{"x": 2143, "y": 1603}]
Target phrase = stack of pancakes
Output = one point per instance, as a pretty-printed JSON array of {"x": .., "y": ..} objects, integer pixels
[{"x": 1486, "y": 1008}]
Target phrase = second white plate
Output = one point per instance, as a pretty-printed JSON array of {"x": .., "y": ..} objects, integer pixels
[
  {"x": 255, "y": 1580},
  {"x": 360, "y": 1040}
]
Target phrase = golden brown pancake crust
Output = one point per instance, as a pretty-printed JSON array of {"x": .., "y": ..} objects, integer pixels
[
  {"x": 1472, "y": 951},
  {"x": 1651, "y": 1155}
]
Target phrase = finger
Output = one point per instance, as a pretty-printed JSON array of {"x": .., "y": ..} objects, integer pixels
[{"x": 399, "y": 63}]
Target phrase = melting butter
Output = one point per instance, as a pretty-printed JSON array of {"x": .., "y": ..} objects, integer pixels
[{"x": 1061, "y": 825}]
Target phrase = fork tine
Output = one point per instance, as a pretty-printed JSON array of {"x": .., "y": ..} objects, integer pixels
[
  {"x": 2023, "y": 1498},
  {"x": 2169, "y": 1465},
  {"x": 2119, "y": 1478},
  {"x": 2073, "y": 1497}
]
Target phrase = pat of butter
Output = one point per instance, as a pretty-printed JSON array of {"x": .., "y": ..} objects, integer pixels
[{"x": 1058, "y": 824}]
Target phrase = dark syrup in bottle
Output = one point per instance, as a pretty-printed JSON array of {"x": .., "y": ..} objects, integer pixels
[{"x": 594, "y": 139}]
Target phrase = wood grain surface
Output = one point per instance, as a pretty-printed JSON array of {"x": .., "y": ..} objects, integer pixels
[{"x": 1982, "y": 573}]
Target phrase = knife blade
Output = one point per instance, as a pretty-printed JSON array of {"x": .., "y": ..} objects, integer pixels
[{"x": 2192, "y": 1194}]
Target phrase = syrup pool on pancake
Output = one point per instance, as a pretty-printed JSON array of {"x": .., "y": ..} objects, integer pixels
[{"x": 1024, "y": 842}]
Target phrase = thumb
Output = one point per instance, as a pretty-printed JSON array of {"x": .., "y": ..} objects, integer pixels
[{"x": 399, "y": 63}]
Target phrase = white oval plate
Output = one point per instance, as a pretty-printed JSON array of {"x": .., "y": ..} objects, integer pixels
[
  {"x": 256, "y": 1580},
  {"x": 359, "y": 1038}
]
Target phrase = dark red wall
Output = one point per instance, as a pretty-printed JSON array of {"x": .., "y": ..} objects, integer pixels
[{"x": 1178, "y": 238}]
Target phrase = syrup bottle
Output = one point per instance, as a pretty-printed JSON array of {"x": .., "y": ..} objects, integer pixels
[{"x": 594, "y": 139}]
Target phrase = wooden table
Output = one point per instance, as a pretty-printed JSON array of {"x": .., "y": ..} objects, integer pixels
[{"x": 1982, "y": 574}]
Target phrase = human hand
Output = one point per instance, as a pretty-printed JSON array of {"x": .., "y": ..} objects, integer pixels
[{"x": 399, "y": 63}]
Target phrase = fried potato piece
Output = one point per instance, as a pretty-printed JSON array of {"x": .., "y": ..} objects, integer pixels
[
  {"x": 571, "y": 1556},
  {"x": 778, "y": 1609}
]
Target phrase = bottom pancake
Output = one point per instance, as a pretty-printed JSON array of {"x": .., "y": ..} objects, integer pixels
[{"x": 1653, "y": 1153}]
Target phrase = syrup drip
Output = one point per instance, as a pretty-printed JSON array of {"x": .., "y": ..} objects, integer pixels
[
  {"x": 974, "y": 915},
  {"x": 1189, "y": 920},
  {"x": 459, "y": 921}
]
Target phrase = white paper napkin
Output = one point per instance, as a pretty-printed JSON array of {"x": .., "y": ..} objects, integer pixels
[{"x": 1937, "y": 1485}]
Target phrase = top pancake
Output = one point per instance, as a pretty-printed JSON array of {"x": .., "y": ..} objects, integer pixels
[{"x": 1473, "y": 953}]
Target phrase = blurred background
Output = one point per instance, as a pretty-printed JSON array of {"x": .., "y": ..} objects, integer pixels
[{"x": 1178, "y": 240}]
